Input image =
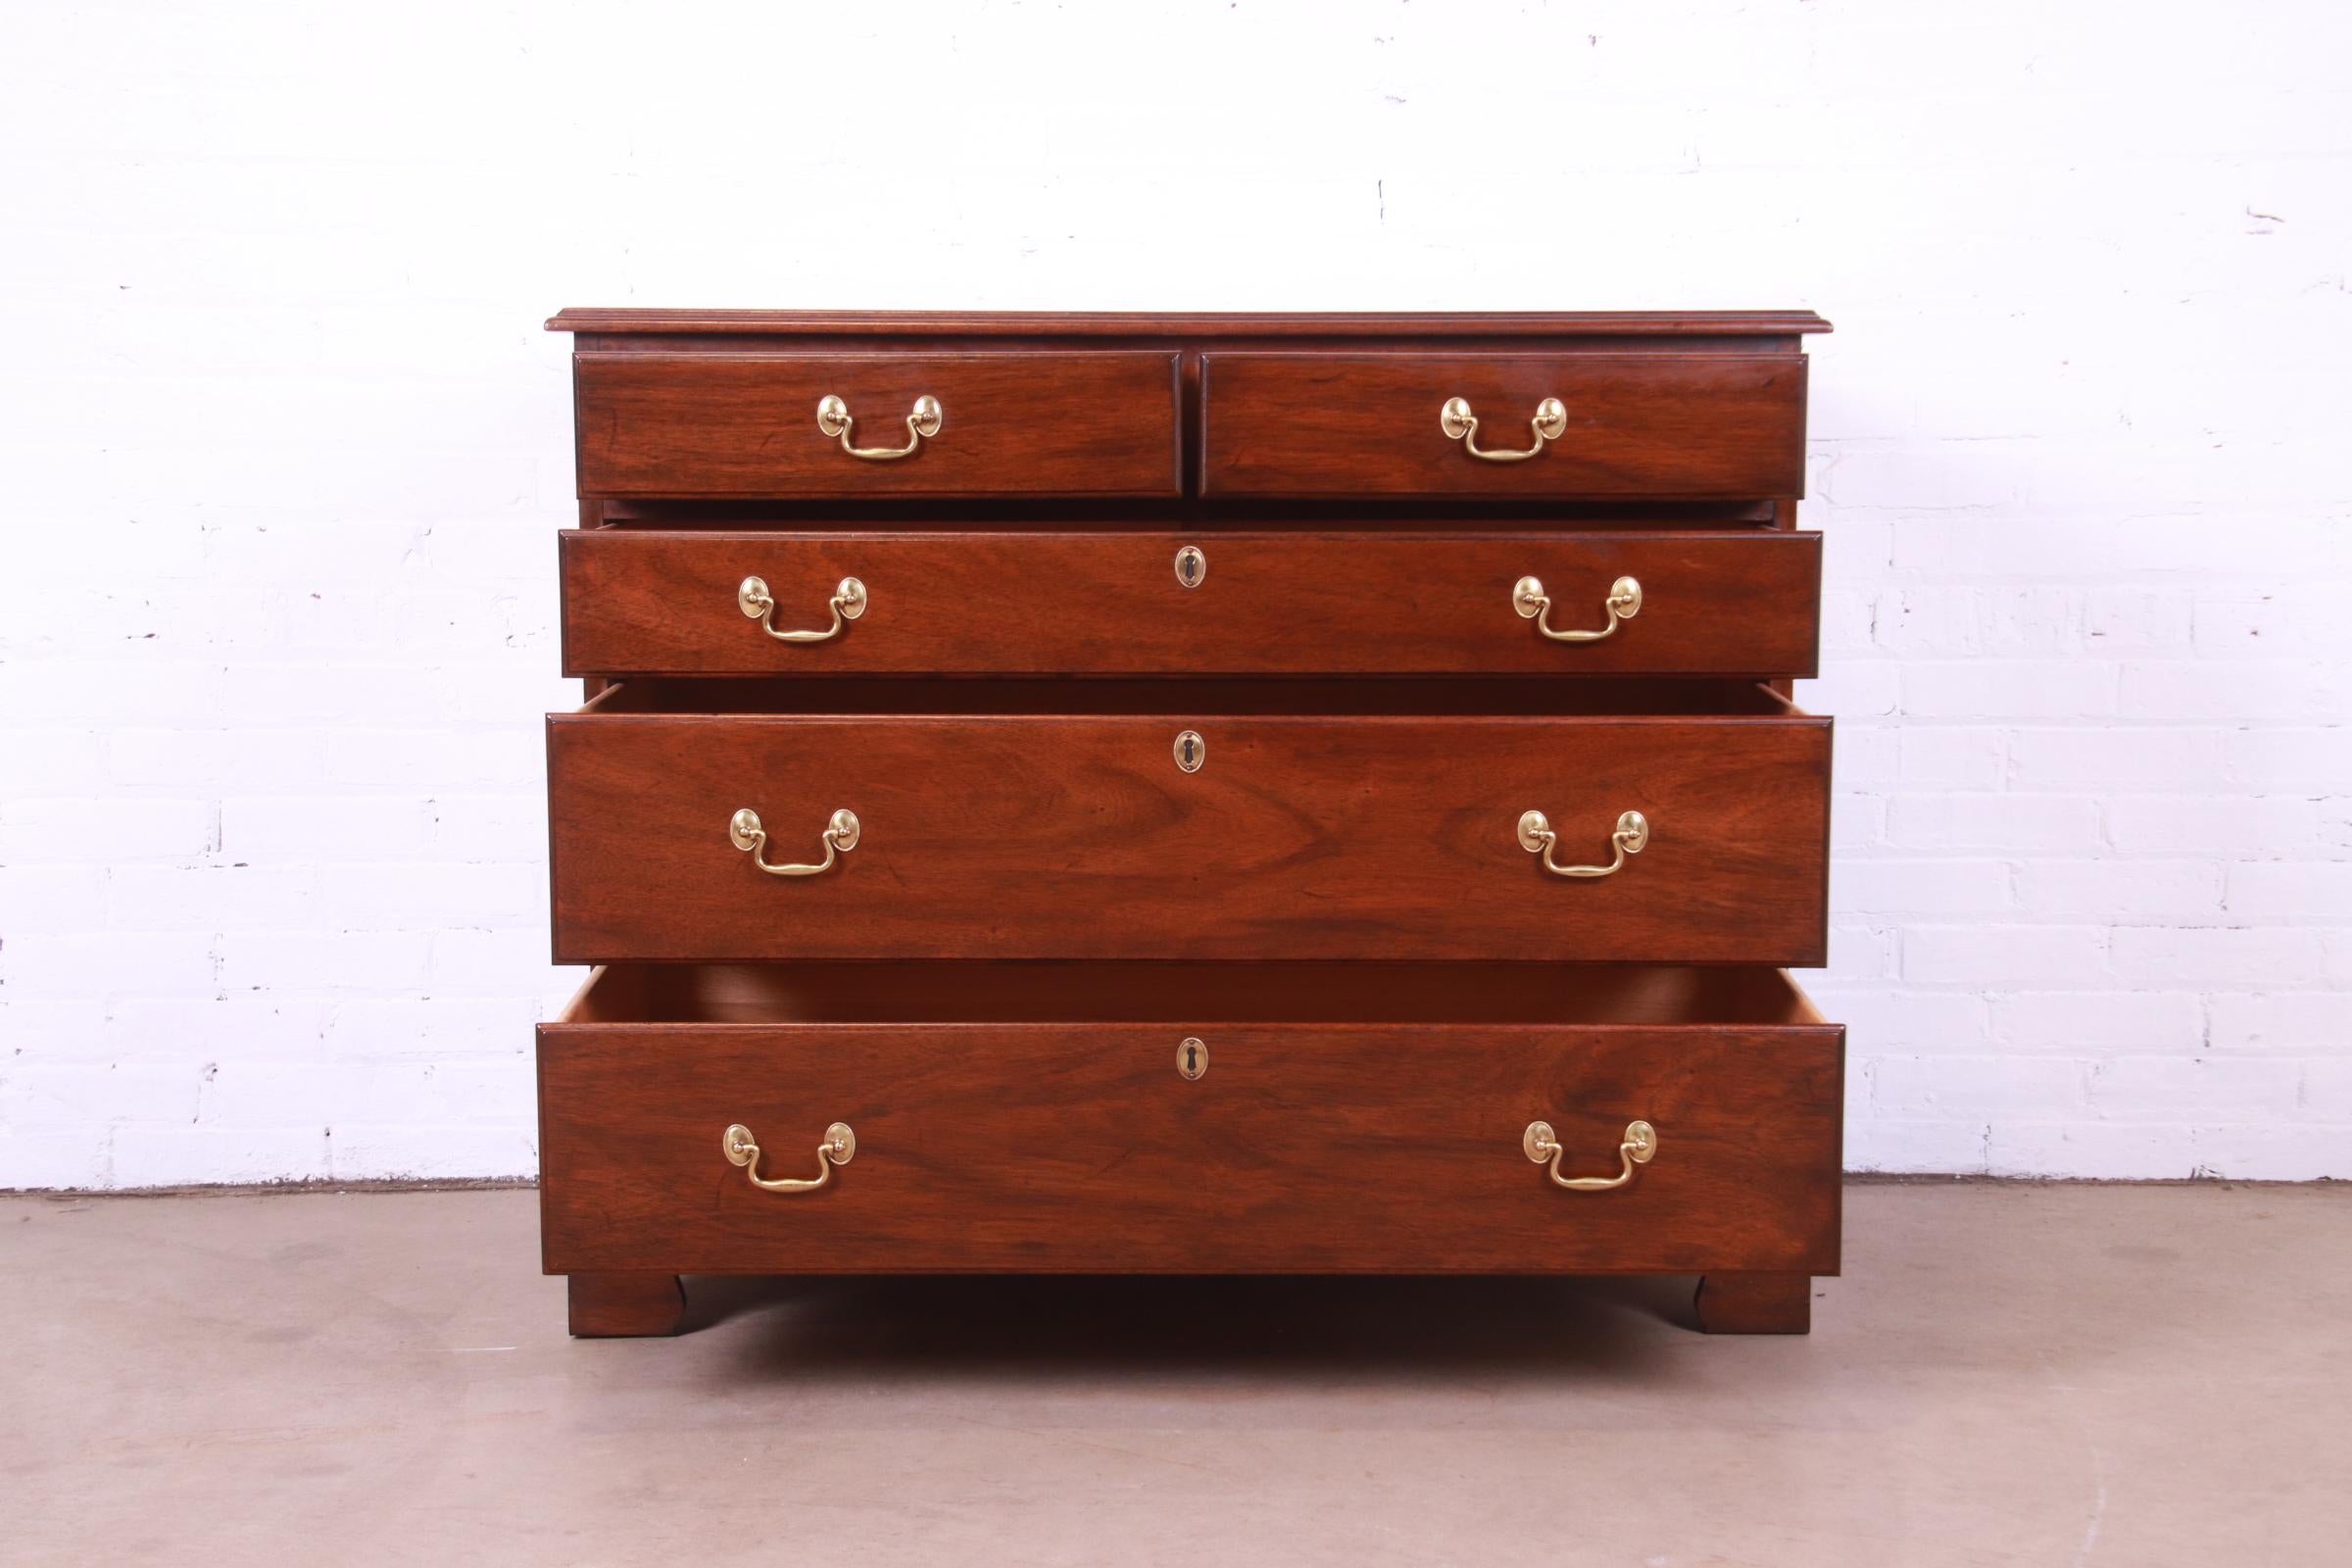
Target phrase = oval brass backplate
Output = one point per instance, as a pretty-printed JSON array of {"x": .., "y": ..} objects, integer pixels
[
  {"x": 843, "y": 828},
  {"x": 1190, "y": 751},
  {"x": 1191, "y": 566},
  {"x": 1538, "y": 1140},
  {"x": 841, "y": 1144},
  {"x": 1192, "y": 1058}
]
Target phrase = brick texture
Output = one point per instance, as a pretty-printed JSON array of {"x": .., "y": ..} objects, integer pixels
[{"x": 285, "y": 448}]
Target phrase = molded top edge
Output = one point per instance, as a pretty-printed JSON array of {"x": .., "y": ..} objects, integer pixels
[{"x": 1144, "y": 323}]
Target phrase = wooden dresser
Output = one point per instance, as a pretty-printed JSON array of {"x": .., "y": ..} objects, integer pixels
[{"x": 1189, "y": 793}]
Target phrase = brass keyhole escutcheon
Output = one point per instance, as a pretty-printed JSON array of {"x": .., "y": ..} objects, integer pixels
[
  {"x": 1190, "y": 751},
  {"x": 1191, "y": 566},
  {"x": 1192, "y": 1060}
]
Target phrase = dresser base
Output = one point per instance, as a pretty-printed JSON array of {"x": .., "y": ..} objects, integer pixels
[
  {"x": 630, "y": 1305},
  {"x": 647, "y": 1305},
  {"x": 1755, "y": 1303}
]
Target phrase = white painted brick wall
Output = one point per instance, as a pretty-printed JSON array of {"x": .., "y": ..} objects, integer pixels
[{"x": 284, "y": 450}]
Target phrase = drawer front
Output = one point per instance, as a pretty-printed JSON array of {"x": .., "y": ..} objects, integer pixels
[
  {"x": 654, "y": 601},
  {"x": 749, "y": 424},
  {"x": 1693, "y": 426},
  {"x": 1080, "y": 837},
  {"x": 1083, "y": 1148}
]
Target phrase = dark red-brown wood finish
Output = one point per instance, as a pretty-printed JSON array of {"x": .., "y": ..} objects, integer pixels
[
  {"x": 665, "y": 603},
  {"x": 1088, "y": 1008},
  {"x": 1740, "y": 1302},
  {"x": 977, "y": 1143},
  {"x": 749, "y": 424},
  {"x": 1677, "y": 425},
  {"x": 623, "y": 1306},
  {"x": 593, "y": 325},
  {"x": 1078, "y": 835}
]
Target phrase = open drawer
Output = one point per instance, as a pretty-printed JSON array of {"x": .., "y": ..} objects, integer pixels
[
  {"x": 1190, "y": 1117},
  {"x": 1657, "y": 601},
  {"x": 846, "y": 818}
]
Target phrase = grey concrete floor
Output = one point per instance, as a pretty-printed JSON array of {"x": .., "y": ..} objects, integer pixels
[{"x": 2007, "y": 1375}]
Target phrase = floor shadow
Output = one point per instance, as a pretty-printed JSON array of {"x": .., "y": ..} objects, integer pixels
[{"x": 1153, "y": 1327}]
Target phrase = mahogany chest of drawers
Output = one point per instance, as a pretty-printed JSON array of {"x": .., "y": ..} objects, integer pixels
[{"x": 1189, "y": 795}]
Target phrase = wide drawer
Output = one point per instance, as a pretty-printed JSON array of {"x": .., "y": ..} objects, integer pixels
[
  {"x": 929, "y": 424},
  {"x": 1696, "y": 427},
  {"x": 1189, "y": 1118},
  {"x": 1057, "y": 819},
  {"x": 662, "y": 602}
]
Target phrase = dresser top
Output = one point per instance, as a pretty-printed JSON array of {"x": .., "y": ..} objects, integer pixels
[{"x": 1144, "y": 323}]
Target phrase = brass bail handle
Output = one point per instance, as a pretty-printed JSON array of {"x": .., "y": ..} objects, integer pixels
[
  {"x": 1623, "y": 604},
  {"x": 742, "y": 1148},
  {"x": 755, "y": 601},
  {"x": 1639, "y": 1143},
  {"x": 1536, "y": 837},
  {"x": 1460, "y": 424},
  {"x": 833, "y": 419},
  {"x": 744, "y": 831}
]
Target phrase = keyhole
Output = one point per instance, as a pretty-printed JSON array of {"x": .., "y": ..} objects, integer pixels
[
  {"x": 1191, "y": 566},
  {"x": 1187, "y": 749},
  {"x": 1190, "y": 751},
  {"x": 1192, "y": 1058}
]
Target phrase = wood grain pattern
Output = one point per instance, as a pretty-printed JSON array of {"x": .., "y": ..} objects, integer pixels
[
  {"x": 1078, "y": 1148},
  {"x": 663, "y": 601},
  {"x": 744, "y": 424},
  {"x": 1191, "y": 325},
  {"x": 1685, "y": 426},
  {"x": 1074, "y": 835},
  {"x": 991, "y": 986}
]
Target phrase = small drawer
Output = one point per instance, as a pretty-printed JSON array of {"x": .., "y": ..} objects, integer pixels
[
  {"x": 1188, "y": 1117},
  {"x": 655, "y": 601},
  {"x": 1390, "y": 819},
  {"x": 1658, "y": 425},
  {"x": 876, "y": 424}
]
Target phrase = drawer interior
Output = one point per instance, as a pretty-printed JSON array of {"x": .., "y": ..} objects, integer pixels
[
  {"x": 1178, "y": 992},
  {"x": 1444, "y": 698},
  {"x": 1111, "y": 515}
]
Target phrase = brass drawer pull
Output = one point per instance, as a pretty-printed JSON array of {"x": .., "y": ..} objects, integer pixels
[
  {"x": 1641, "y": 1143},
  {"x": 1532, "y": 604},
  {"x": 833, "y": 418},
  {"x": 839, "y": 1148},
  {"x": 1460, "y": 424},
  {"x": 848, "y": 603},
  {"x": 840, "y": 833},
  {"x": 1536, "y": 837}
]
